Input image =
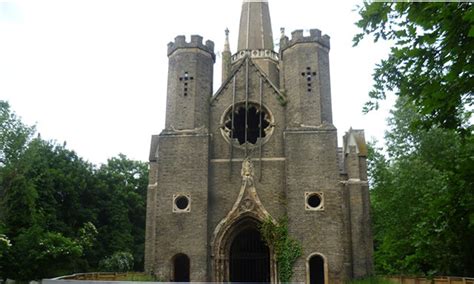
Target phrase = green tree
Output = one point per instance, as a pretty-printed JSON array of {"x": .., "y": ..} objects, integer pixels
[
  {"x": 42, "y": 211},
  {"x": 122, "y": 226},
  {"x": 431, "y": 63},
  {"x": 14, "y": 135},
  {"x": 16, "y": 206},
  {"x": 422, "y": 199},
  {"x": 38, "y": 254},
  {"x": 60, "y": 214}
]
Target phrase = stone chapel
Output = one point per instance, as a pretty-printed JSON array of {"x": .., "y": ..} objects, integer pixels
[{"x": 262, "y": 147}]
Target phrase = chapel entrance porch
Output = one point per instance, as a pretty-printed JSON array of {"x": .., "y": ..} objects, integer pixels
[
  {"x": 241, "y": 255},
  {"x": 249, "y": 259}
]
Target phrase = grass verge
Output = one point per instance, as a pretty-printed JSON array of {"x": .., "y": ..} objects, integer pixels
[{"x": 140, "y": 277}]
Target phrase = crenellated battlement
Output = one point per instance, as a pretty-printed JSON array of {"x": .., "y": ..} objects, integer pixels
[
  {"x": 297, "y": 36},
  {"x": 196, "y": 42}
]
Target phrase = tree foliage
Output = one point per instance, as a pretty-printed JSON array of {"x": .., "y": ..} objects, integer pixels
[
  {"x": 37, "y": 253},
  {"x": 422, "y": 198},
  {"x": 431, "y": 63},
  {"x": 14, "y": 135},
  {"x": 118, "y": 262},
  {"x": 60, "y": 214},
  {"x": 124, "y": 182}
]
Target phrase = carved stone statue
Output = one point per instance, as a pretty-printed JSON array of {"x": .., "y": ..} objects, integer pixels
[{"x": 247, "y": 171}]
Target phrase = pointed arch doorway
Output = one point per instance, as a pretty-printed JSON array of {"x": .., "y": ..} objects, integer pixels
[
  {"x": 249, "y": 258},
  {"x": 240, "y": 254}
]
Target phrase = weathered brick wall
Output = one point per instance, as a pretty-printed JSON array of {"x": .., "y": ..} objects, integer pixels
[
  {"x": 183, "y": 169},
  {"x": 312, "y": 167}
]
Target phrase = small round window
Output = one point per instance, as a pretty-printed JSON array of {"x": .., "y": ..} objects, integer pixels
[
  {"x": 181, "y": 203},
  {"x": 314, "y": 201},
  {"x": 249, "y": 124}
]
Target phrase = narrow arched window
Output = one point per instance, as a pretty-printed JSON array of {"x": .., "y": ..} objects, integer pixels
[
  {"x": 316, "y": 270},
  {"x": 181, "y": 268}
]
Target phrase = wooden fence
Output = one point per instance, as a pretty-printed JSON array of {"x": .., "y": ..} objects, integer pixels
[
  {"x": 100, "y": 276},
  {"x": 436, "y": 280},
  {"x": 115, "y": 276}
]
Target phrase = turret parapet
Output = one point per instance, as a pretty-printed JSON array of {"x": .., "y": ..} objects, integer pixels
[
  {"x": 297, "y": 36},
  {"x": 196, "y": 42},
  {"x": 257, "y": 53}
]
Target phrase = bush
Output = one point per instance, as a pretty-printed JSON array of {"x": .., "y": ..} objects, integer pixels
[
  {"x": 119, "y": 262},
  {"x": 38, "y": 254},
  {"x": 5, "y": 244}
]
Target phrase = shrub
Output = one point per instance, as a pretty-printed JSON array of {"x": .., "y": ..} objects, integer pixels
[{"x": 118, "y": 262}]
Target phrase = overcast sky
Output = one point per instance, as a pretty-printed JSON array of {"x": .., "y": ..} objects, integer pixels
[{"x": 93, "y": 73}]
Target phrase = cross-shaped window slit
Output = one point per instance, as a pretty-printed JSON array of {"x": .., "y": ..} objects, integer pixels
[
  {"x": 308, "y": 74},
  {"x": 185, "y": 79}
]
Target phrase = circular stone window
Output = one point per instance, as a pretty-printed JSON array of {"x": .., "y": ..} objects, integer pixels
[
  {"x": 249, "y": 124},
  {"x": 181, "y": 203},
  {"x": 314, "y": 201}
]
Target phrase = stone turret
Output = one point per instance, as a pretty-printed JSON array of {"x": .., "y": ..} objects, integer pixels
[
  {"x": 305, "y": 61},
  {"x": 355, "y": 155},
  {"x": 355, "y": 165},
  {"x": 297, "y": 36},
  {"x": 178, "y": 180},
  {"x": 190, "y": 74},
  {"x": 196, "y": 42}
]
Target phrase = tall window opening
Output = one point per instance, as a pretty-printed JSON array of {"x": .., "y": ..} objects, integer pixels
[
  {"x": 181, "y": 268},
  {"x": 316, "y": 270}
]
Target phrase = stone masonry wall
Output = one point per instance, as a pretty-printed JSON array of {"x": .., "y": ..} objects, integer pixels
[
  {"x": 312, "y": 167},
  {"x": 183, "y": 169}
]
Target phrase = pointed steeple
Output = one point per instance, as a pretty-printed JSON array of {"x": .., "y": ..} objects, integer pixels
[
  {"x": 226, "y": 43},
  {"x": 255, "y": 26},
  {"x": 226, "y": 58}
]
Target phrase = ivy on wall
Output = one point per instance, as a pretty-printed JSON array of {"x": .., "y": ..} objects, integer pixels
[{"x": 287, "y": 249}]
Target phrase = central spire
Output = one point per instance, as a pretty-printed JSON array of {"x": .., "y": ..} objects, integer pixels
[{"x": 255, "y": 26}]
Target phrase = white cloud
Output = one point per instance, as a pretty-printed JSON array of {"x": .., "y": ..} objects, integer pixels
[
  {"x": 9, "y": 11},
  {"x": 94, "y": 72}
]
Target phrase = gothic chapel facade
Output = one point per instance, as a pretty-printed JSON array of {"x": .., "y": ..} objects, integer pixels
[{"x": 263, "y": 146}]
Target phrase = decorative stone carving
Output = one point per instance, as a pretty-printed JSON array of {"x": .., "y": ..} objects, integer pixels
[
  {"x": 247, "y": 207},
  {"x": 247, "y": 170}
]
